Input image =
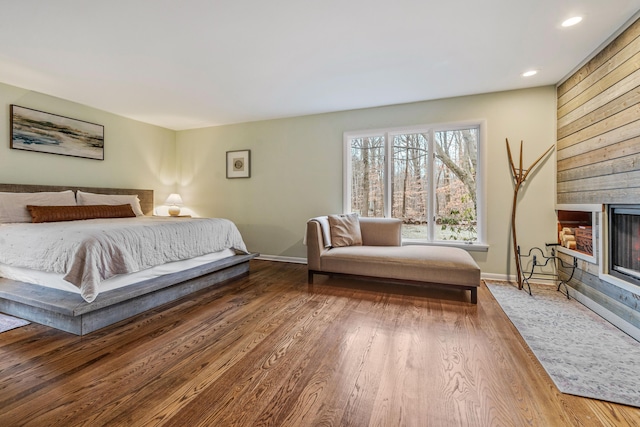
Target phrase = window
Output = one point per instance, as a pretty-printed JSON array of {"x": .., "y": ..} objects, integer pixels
[{"x": 417, "y": 174}]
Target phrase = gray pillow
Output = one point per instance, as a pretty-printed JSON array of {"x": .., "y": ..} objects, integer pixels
[{"x": 345, "y": 230}]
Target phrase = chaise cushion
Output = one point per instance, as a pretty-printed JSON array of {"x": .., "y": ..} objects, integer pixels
[{"x": 435, "y": 264}]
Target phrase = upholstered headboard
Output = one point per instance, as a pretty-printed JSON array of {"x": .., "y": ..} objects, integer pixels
[{"x": 145, "y": 196}]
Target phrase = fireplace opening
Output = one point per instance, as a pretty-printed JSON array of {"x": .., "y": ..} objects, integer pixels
[{"x": 624, "y": 242}]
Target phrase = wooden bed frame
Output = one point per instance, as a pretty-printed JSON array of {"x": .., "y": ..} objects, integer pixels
[{"x": 71, "y": 313}]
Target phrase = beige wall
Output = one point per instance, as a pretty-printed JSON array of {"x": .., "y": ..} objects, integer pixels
[
  {"x": 297, "y": 169},
  {"x": 296, "y": 165},
  {"x": 137, "y": 155}
]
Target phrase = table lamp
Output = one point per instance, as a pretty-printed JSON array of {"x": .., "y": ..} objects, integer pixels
[{"x": 174, "y": 201}]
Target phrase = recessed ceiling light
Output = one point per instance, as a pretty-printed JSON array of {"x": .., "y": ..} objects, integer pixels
[
  {"x": 572, "y": 21},
  {"x": 529, "y": 73}
]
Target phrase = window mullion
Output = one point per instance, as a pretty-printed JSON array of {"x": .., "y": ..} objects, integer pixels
[
  {"x": 388, "y": 174},
  {"x": 431, "y": 196}
]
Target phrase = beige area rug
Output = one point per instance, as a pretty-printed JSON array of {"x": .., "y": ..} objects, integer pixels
[
  {"x": 9, "y": 322},
  {"x": 584, "y": 354}
]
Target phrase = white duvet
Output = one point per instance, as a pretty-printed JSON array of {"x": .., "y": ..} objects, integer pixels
[{"x": 87, "y": 252}]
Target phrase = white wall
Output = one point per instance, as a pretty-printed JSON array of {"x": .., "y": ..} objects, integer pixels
[
  {"x": 296, "y": 170},
  {"x": 137, "y": 155}
]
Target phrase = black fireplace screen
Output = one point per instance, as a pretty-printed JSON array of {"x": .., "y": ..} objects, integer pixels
[{"x": 624, "y": 239}]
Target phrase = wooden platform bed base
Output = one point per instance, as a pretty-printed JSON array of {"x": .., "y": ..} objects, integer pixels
[
  {"x": 472, "y": 289},
  {"x": 69, "y": 312}
]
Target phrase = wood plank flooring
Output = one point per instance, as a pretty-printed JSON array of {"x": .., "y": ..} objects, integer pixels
[{"x": 270, "y": 350}]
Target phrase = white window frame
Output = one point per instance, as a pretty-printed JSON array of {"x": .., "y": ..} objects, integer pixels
[{"x": 388, "y": 133}]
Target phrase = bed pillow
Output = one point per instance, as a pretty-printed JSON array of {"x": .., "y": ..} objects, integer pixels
[
  {"x": 72, "y": 213},
  {"x": 345, "y": 230},
  {"x": 110, "y": 199},
  {"x": 13, "y": 206}
]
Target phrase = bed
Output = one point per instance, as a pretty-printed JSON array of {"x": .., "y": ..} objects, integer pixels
[{"x": 83, "y": 297}]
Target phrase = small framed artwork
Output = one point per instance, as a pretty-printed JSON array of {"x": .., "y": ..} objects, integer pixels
[
  {"x": 34, "y": 130},
  {"x": 239, "y": 164}
]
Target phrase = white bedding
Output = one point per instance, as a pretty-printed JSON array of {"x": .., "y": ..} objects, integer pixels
[
  {"x": 56, "y": 281},
  {"x": 91, "y": 251}
]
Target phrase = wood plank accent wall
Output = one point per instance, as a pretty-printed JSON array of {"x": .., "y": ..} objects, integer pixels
[
  {"x": 598, "y": 158},
  {"x": 598, "y": 147}
]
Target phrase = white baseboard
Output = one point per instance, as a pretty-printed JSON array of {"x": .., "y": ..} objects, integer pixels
[
  {"x": 300, "y": 260},
  {"x": 501, "y": 277},
  {"x": 278, "y": 258},
  {"x": 512, "y": 278}
]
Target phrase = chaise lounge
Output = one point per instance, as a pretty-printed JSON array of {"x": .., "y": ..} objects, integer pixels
[{"x": 376, "y": 251}]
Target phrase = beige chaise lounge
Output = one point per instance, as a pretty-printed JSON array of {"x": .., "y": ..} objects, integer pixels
[{"x": 382, "y": 256}]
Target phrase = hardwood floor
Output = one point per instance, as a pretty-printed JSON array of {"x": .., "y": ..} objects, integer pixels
[{"x": 270, "y": 350}]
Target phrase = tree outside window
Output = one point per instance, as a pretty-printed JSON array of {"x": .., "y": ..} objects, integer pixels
[{"x": 429, "y": 181}]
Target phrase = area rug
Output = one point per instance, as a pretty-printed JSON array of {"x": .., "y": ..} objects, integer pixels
[
  {"x": 583, "y": 354},
  {"x": 8, "y": 322}
]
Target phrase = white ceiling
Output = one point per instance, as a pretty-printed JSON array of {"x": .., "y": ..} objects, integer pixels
[{"x": 195, "y": 63}]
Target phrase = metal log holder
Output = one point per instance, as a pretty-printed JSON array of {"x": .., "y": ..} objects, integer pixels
[{"x": 540, "y": 260}]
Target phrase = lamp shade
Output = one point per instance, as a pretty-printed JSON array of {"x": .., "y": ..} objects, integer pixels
[{"x": 174, "y": 199}]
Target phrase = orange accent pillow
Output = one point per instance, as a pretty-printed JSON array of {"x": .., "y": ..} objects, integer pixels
[{"x": 72, "y": 213}]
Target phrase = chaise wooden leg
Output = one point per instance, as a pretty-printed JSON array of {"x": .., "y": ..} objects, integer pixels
[
  {"x": 310, "y": 280},
  {"x": 474, "y": 295}
]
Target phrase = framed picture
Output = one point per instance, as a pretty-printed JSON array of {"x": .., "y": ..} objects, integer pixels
[
  {"x": 34, "y": 130},
  {"x": 239, "y": 164}
]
